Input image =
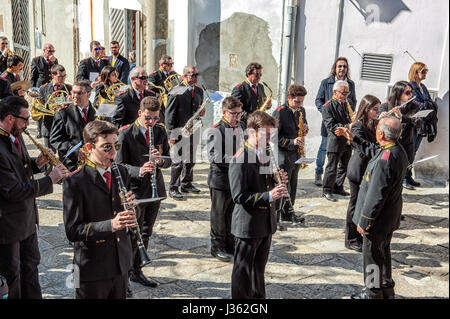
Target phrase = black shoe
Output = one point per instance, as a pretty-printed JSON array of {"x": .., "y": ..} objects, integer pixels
[
  {"x": 330, "y": 197},
  {"x": 412, "y": 182},
  {"x": 190, "y": 189},
  {"x": 318, "y": 180},
  {"x": 364, "y": 295},
  {"x": 402, "y": 217},
  {"x": 296, "y": 220},
  {"x": 340, "y": 191},
  {"x": 221, "y": 255},
  {"x": 175, "y": 194},
  {"x": 355, "y": 246},
  {"x": 408, "y": 186},
  {"x": 129, "y": 291},
  {"x": 281, "y": 227},
  {"x": 141, "y": 279}
]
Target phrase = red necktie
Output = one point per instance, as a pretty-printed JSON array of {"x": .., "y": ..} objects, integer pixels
[
  {"x": 147, "y": 137},
  {"x": 17, "y": 77},
  {"x": 254, "y": 89},
  {"x": 48, "y": 61},
  {"x": 85, "y": 114},
  {"x": 141, "y": 96},
  {"x": 192, "y": 93},
  {"x": 343, "y": 105},
  {"x": 107, "y": 176},
  {"x": 16, "y": 142}
]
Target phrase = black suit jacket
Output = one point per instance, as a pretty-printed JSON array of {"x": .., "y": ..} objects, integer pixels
[
  {"x": 44, "y": 93},
  {"x": 253, "y": 215},
  {"x": 180, "y": 108},
  {"x": 335, "y": 115},
  {"x": 40, "y": 71},
  {"x": 133, "y": 156},
  {"x": 358, "y": 162},
  {"x": 86, "y": 66},
  {"x": 128, "y": 104},
  {"x": 287, "y": 132},
  {"x": 250, "y": 102},
  {"x": 3, "y": 63},
  {"x": 18, "y": 190},
  {"x": 88, "y": 208},
  {"x": 223, "y": 142},
  {"x": 5, "y": 89},
  {"x": 123, "y": 67},
  {"x": 67, "y": 131}
]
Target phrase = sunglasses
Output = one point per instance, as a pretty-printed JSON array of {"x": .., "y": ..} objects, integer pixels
[
  {"x": 149, "y": 118},
  {"x": 142, "y": 78},
  {"x": 234, "y": 113},
  {"x": 109, "y": 147},
  {"x": 22, "y": 118},
  {"x": 193, "y": 74},
  {"x": 51, "y": 51},
  {"x": 257, "y": 75},
  {"x": 424, "y": 71},
  {"x": 342, "y": 66},
  {"x": 98, "y": 49},
  {"x": 344, "y": 92},
  {"x": 409, "y": 92},
  {"x": 169, "y": 64}
]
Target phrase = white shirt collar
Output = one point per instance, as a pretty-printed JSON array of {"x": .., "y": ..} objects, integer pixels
[
  {"x": 80, "y": 109},
  {"x": 102, "y": 171},
  {"x": 336, "y": 79},
  {"x": 142, "y": 128}
]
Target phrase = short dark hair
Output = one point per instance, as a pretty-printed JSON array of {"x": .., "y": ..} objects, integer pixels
[
  {"x": 296, "y": 90},
  {"x": 258, "y": 119},
  {"x": 98, "y": 128},
  {"x": 57, "y": 68},
  {"x": 252, "y": 67},
  {"x": 84, "y": 83},
  {"x": 115, "y": 42},
  {"x": 230, "y": 103},
  {"x": 150, "y": 103},
  {"x": 91, "y": 45},
  {"x": 13, "y": 60},
  {"x": 164, "y": 58},
  {"x": 12, "y": 105},
  {"x": 333, "y": 68}
]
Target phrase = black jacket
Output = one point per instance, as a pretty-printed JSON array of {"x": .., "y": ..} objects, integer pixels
[
  {"x": 288, "y": 153},
  {"x": 325, "y": 94},
  {"x": 335, "y": 115},
  {"x": 128, "y": 106},
  {"x": 10, "y": 77},
  {"x": 253, "y": 215},
  {"x": 180, "y": 108},
  {"x": 123, "y": 67},
  {"x": 88, "y": 208},
  {"x": 40, "y": 71},
  {"x": 86, "y": 66},
  {"x": 133, "y": 156},
  {"x": 358, "y": 162},
  {"x": 379, "y": 203},
  {"x": 5, "y": 89},
  {"x": 250, "y": 102},
  {"x": 158, "y": 78},
  {"x": 44, "y": 93},
  {"x": 223, "y": 142},
  {"x": 3, "y": 63},
  {"x": 67, "y": 131},
  {"x": 18, "y": 190}
]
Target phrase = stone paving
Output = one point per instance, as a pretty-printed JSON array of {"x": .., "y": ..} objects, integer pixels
[{"x": 308, "y": 261}]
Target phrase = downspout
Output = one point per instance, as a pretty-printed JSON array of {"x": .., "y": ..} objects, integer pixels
[
  {"x": 280, "y": 66},
  {"x": 339, "y": 28}
]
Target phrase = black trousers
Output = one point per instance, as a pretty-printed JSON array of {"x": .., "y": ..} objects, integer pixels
[
  {"x": 351, "y": 234},
  {"x": 292, "y": 171},
  {"x": 221, "y": 211},
  {"x": 378, "y": 281},
  {"x": 336, "y": 170},
  {"x": 19, "y": 265},
  {"x": 183, "y": 163},
  {"x": 250, "y": 259},
  {"x": 112, "y": 288},
  {"x": 146, "y": 216}
]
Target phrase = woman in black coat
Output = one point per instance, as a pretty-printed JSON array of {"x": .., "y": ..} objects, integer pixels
[{"x": 364, "y": 127}]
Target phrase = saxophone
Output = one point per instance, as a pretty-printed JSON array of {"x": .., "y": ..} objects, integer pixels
[
  {"x": 265, "y": 106},
  {"x": 350, "y": 111},
  {"x": 193, "y": 123},
  {"x": 301, "y": 149}
]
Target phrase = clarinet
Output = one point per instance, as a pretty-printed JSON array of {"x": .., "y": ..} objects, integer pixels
[
  {"x": 150, "y": 149},
  {"x": 123, "y": 191}
]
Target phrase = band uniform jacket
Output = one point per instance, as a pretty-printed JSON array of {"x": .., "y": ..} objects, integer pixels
[
  {"x": 40, "y": 71},
  {"x": 158, "y": 78},
  {"x": 123, "y": 67},
  {"x": 223, "y": 142},
  {"x": 358, "y": 161},
  {"x": 99, "y": 91},
  {"x": 180, "y": 108},
  {"x": 67, "y": 131},
  {"x": 10, "y": 77},
  {"x": 250, "y": 101},
  {"x": 5, "y": 89},
  {"x": 288, "y": 129},
  {"x": 128, "y": 104},
  {"x": 379, "y": 203},
  {"x": 134, "y": 153},
  {"x": 250, "y": 183},
  {"x": 335, "y": 115},
  {"x": 88, "y": 207},
  {"x": 3, "y": 62},
  {"x": 86, "y": 66},
  {"x": 18, "y": 190},
  {"x": 44, "y": 93}
]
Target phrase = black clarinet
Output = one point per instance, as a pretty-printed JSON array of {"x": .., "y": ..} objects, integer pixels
[
  {"x": 151, "y": 148},
  {"x": 145, "y": 259}
]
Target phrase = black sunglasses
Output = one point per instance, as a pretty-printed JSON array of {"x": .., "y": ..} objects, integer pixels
[
  {"x": 193, "y": 74},
  {"x": 98, "y": 49},
  {"x": 22, "y": 118},
  {"x": 142, "y": 78},
  {"x": 149, "y": 118},
  {"x": 342, "y": 66},
  {"x": 108, "y": 147},
  {"x": 169, "y": 64},
  {"x": 257, "y": 75}
]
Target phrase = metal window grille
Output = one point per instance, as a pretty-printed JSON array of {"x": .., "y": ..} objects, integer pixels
[
  {"x": 21, "y": 33},
  {"x": 377, "y": 67}
]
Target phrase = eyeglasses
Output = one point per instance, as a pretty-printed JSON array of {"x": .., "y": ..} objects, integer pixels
[
  {"x": 375, "y": 109},
  {"x": 193, "y": 74},
  {"x": 344, "y": 92},
  {"x": 109, "y": 147},
  {"x": 342, "y": 67},
  {"x": 424, "y": 71},
  {"x": 409, "y": 92},
  {"x": 61, "y": 76},
  {"x": 22, "y": 118},
  {"x": 234, "y": 113},
  {"x": 142, "y": 78},
  {"x": 167, "y": 63},
  {"x": 98, "y": 49},
  {"x": 149, "y": 118},
  {"x": 257, "y": 75}
]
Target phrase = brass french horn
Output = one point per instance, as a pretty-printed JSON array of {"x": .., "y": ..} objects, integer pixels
[
  {"x": 162, "y": 93},
  {"x": 172, "y": 81},
  {"x": 110, "y": 93},
  {"x": 56, "y": 100}
]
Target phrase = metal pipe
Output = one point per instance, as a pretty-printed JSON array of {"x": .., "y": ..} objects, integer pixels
[
  {"x": 92, "y": 22},
  {"x": 339, "y": 28}
]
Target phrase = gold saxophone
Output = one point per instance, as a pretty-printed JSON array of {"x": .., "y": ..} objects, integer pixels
[
  {"x": 53, "y": 160},
  {"x": 350, "y": 111},
  {"x": 301, "y": 149},
  {"x": 265, "y": 106}
]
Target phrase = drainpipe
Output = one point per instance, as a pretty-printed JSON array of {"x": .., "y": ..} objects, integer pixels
[
  {"x": 289, "y": 37},
  {"x": 339, "y": 28}
]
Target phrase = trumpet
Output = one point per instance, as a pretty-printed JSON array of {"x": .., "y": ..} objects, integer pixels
[
  {"x": 265, "y": 105},
  {"x": 123, "y": 191},
  {"x": 53, "y": 160}
]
